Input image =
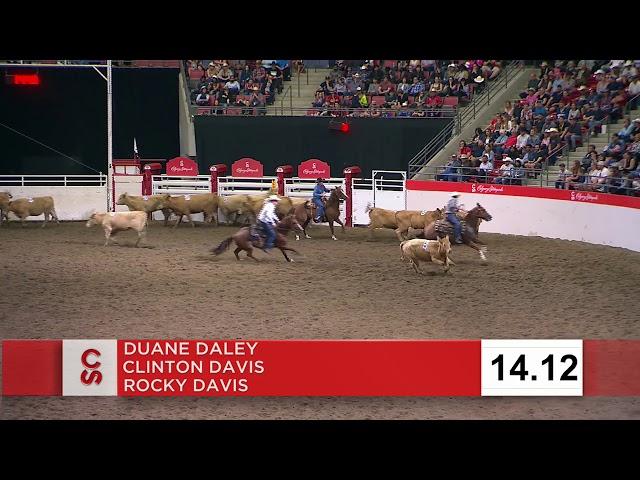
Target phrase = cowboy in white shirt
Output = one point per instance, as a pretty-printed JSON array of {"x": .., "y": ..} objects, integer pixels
[{"x": 268, "y": 219}]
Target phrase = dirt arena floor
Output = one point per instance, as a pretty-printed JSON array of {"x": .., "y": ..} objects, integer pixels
[{"x": 60, "y": 282}]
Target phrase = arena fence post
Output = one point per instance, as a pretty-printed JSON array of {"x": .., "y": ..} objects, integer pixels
[
  {"x": 349, "y": 174},
  {"x": 216, "y": 171},
  {"x": 282, "y": 172}
]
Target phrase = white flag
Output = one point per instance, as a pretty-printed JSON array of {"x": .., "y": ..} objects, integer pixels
[{"x": 135, "y": 148}]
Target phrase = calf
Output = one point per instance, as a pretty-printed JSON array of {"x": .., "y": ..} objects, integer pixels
[
  {"x": 149, "y": 204},
  {"x": 5, "y": 198},
  {"x": 32, "y": 207},
  {"x": 206, "y": 203},
  {"x": 406, "y": 219},
  {"x": 234, "y": 205},
  {"x": 114, "y": 222},
  {"x": 418, "y": 250},
  {"x": 381, "y": 218}
]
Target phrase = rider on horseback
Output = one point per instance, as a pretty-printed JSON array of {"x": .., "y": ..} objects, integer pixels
[
  {"x": 268, "y": 220},
  {"x": 317, "y": 199},
  {"x": 451, "y": 209}
]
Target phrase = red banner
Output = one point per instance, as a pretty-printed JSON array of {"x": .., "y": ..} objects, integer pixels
[
  {"x": 285, "y": 367},
  {"x": 182, "y": 167},
  {"x": 314, "y": 168},
  {"x": 518, "y": 191},
  {"x": 247, "y": 167}
]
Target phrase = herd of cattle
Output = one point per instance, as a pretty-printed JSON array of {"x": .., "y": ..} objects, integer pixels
[{"x": 234, "y": 206}]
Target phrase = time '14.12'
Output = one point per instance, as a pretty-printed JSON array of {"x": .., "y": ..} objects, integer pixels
[{"x": 519, "y": 368}]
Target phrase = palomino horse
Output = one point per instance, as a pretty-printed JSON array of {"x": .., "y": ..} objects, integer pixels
[
  {"x": 440, "y": 228},
  {"x": 303, "y": 214},
  {"x": 332, "y": 209},
  {"x": 244, "y": 241}
]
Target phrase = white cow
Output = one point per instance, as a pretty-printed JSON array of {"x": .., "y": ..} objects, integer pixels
[
  {"x": 114, "y": 222},
  {"x": 418, "y": 250}
]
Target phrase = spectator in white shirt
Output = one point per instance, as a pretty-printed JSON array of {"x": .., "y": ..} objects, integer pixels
[
  {"x": 505, "y": 172},
  {"x": 233, "y": 85},
  {"x": 522, "y": 139},
  {"x": 203, "y": 97},
  {"x": 484, "y": 168}
]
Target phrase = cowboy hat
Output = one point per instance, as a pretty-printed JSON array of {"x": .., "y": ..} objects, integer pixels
[
  {"x": 508, "y": 159},
  {"x": 455, "y": 194},
  {"x": 479, "y": 79},
  {"x": 273, "y": 197}
]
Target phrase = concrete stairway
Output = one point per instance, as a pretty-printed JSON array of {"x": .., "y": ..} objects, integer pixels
[
  {"x": 600, "y": 141},
  {"x": 303, "y": 102}
]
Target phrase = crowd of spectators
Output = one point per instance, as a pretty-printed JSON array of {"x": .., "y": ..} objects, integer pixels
[
  {"x": 249, "y": 85},
  {"x": 400, "y": 88},
  {"x": 563, "y": 103}
]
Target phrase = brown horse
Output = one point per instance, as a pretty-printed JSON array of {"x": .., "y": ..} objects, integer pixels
[
  {"x": 244, "y": 241},
  {"x": 440, "y": 228},
  {"x": 303, "y": 214},
  {"x": 332, "y": 209}
]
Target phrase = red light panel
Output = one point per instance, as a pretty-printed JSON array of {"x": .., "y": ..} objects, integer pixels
[{"x": 33, "y": 79}]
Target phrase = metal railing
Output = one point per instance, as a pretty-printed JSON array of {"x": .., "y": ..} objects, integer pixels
[
  {"x": 534, "y": 178},
  {"x": 463, "y": 116},
  {"x": 288, "y": 92},
  {"x": 53, "y": 180},
  {"x": 437, "y": 113}
]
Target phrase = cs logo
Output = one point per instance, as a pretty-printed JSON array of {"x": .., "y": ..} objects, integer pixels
[{"x": 90, "y": 374}]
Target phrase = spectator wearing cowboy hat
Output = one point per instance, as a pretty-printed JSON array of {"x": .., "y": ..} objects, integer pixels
[
  {"x": 268, "y": 220},
  {"x": 505, "y": 171}
]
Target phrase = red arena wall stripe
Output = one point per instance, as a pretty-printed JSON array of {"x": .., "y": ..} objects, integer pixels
[
  {"x": 597, "y": 198},
  {"x": 32, "y": 367},
  {"x": 611, "y": 368}
]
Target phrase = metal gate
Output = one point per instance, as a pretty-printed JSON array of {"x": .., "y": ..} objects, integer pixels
[{"x": 389, "y": 189}]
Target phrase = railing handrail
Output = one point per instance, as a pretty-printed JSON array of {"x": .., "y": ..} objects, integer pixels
[
  {"x": 89, "y": 180},
  {"x": 436, "y": 113}
]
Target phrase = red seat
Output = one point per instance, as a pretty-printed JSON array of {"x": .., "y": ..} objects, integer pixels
[
  {"x": 203, "y": 111},
  {"x": 450, "y": 102},
  {"x": 379, "y": 99},
  {"x": 234, "y": 111},
  {"x": 390, "y": 63}
]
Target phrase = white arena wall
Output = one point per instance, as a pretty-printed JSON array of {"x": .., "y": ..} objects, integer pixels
[{"x": 617, "y": 226}]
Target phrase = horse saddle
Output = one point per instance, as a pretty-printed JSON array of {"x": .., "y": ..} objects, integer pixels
[
  {"x": 257, "y": 234},
  {"x": 444, "y": 227}
]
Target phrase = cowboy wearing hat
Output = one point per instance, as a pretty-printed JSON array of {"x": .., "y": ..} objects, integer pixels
[
  {"x": 451, "y": 209},
  {"x": 317, "y": 199},
  {"x": 268, "y": 220}
]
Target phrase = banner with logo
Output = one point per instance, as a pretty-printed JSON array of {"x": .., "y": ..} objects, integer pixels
[
  {"x": 320, "y": 367},
  {"x": 182, "y": 167},
  {"x": 314, "y": 168},
  {"x": 247, "y": 167}
]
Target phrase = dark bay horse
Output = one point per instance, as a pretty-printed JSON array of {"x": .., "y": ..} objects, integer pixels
[
  {"x": 303, "y": 214},
  {"x": 243, "y": 239},
  {"x": 470, "y": 223},
  {"x": 332, "y": 209}
]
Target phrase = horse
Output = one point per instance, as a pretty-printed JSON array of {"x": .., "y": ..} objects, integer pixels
[
  {"x": 332, "y": 209},
  {"x": 244, "y": 241},
  {"x": 303, "y": 214},
  {"x": 440, "y": 228}
]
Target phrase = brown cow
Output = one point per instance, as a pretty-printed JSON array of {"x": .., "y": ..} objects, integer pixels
[
  {"x": 5, "y": 198},
  {"x": 234, "y": 205},
  {"x": 406, "y": 219},
  {"x": 381, "y": 218},
  {"x": 418, "y": 250},
  {"x": 206, "y": 203},
  {"x": 149, "y": 204},
  {"x": 114, "y": 222},
  {"x": 282, "y": 209},
  {"x": 32, "y": 207}
]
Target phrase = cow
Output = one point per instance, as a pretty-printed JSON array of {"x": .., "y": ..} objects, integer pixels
[
  {"x": 206, "y": 203},
  {"x": 418, "y": 250},
  {"x": 381, "y": 218},
  {"x": 5, "y": 198},
  {"x": 234, "y": 205},
  {"x": 282, "y": 209},
  {"x": 149, "y": 204},
  {"x": 32, "y": 207},
  {"x": 114, "y": 222},
  {"x": 406, "y": 219}
]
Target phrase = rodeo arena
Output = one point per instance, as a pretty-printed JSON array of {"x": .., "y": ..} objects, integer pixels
[{"x": 410, "y": 199}]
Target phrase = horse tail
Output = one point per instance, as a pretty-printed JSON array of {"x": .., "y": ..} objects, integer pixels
[
  {"x": 222, "y": 247},
  {"x": 369, "y": 207}
]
